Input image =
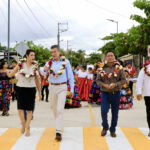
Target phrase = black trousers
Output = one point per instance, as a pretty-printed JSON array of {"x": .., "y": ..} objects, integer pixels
[
  {"x": 46, "y": 91},
  {"x": 131, "y": 86},
  {"x": 147, "y": 103},
  {"x": 14, "y": 93}
]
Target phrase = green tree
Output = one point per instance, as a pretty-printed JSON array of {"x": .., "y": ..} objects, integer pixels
[
  {"x": 76, "y": 57},
  {"x": 136, "y": 40},
  {"x": 42, "y": 54},
  {"x": 141, "y": 33},
  {"x": 94, "y": 58},
  {"x": 2, "y": 47}
]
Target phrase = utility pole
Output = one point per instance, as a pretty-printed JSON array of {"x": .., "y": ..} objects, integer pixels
[
  {"x": 114, "y": 22},
  {"x": 8, "y": 44},
  {"x": 71, "y": 57},
  {"x": 68, "y": 49},
  {"x": 117, "y": 28},
  {"x": 67, "y": 45},
  {"x": 58, "y": 37},
  {"x": 60, "y": 30}
]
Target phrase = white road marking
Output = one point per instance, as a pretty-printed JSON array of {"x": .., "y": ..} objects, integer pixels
[
  {"x": 3, "y": 130},
  {"x": 29, "y": 143},
  {"x": 118, "y": 143},
  {"x": 72, "y": 139}
]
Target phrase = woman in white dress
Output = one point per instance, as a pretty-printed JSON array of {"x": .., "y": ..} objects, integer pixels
[{"x": 82, "y": 81}]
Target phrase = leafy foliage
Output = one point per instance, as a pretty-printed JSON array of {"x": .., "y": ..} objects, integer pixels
[{"x": 136, "y": 40}]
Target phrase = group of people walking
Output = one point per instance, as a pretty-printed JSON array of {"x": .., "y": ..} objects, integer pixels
[
  {"x": 88, "y": 89},
  {"x": 102, "y": 84}
]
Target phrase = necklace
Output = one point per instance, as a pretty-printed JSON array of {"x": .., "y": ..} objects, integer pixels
[
  {"x": 147, "y": 72},
  {"x": 109, "y": 75},
  {"x": 62, "y": 68},
  {"x": 22, "y": 71}
]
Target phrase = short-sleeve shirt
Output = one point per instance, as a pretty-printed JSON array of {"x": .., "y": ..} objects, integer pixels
[{"x": 23, "y": 81}]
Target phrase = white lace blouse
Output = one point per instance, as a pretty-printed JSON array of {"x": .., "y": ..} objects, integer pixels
[{"x": 26, "y": 82}]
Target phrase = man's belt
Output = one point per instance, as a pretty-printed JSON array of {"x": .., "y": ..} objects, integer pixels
[
  {"x": 58, "y": 83},
  {"x": 112, "y": 92}
]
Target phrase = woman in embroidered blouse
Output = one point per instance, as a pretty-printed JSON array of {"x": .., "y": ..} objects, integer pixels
[
  {"x": 95, "y": 94},
  {"x": 28, "y": 80},
  {"x": 5, "y": 88}
]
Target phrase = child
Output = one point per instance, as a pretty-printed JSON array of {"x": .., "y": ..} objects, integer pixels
[
  {"x": 89, "y": 82},
  {"x": 82, "y": 80}
]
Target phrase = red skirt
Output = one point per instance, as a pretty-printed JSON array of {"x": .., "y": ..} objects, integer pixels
[
  {"x": 88, "y": 89},
  {"x": 82, "y": 88}
]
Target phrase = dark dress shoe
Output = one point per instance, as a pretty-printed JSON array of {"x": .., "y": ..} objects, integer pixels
[
  {"x": 113, "y": 134},
  {"x": 3, "y": 114},
  {"x": 58, "y": 137},
  {"x": 104, "y": 132}
]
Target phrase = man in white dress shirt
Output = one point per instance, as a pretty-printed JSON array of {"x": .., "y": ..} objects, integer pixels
[{"x": 144, "y": 81}]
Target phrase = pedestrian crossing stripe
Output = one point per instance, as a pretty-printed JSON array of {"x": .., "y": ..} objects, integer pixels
[{"x": 75, "y": 138}]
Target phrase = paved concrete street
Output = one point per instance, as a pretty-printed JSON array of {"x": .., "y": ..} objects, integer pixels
[
  {"x": 81, "y": 132},
  {"x": 80, "y": 117}
]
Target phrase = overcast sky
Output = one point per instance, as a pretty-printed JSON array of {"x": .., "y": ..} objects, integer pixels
[{"x": 87, "y": 21}]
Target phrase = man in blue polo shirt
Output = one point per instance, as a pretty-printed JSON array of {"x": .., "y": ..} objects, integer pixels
[{"x": 60, "y": 71}]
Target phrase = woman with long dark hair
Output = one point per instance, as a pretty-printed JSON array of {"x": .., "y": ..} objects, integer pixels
[
  {"x": 95, "y": 94},
  {"x": 5, "y": 88},
  {"x": 28, "y": 80}
]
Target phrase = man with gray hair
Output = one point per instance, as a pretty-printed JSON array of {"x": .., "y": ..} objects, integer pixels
[{"x": 60, "y": 71}]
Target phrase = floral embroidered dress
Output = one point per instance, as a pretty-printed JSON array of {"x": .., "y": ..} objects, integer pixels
[
  {"x": 126, "y": 101},
  {"x": 5, "y": 91},
  {"x": 74, "y": 102},
  {"x": 95, "y": 95}
]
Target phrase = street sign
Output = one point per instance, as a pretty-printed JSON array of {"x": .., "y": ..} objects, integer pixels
[
  {"x": 148, "y": 49},
  {"x": 21, "y": 48}
]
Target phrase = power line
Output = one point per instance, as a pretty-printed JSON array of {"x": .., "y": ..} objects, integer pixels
[
  {"x": 105, "y": 9},
  {"x": 35, "y": 17},
  {"x": 53, "y": 7},
  {"x": 3, "y": 15},
  {"x": 46, "y": 11},
  {"x": 60, "y": 8},
  {"x": 22, "y": 10}
]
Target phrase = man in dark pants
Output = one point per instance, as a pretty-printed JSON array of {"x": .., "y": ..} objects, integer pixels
[
  {"x": 45, "y": 85},
  {"x": 110, "y": 79},
  {"x": 143, "y": 81},
  {"x": 46, "y": 88}
]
